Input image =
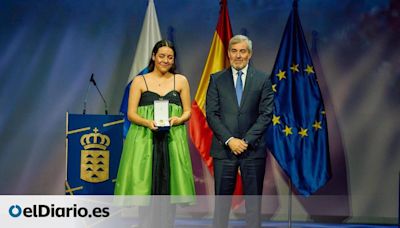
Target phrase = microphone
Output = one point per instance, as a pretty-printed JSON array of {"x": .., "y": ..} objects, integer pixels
[{"x": 93, "y": 81}]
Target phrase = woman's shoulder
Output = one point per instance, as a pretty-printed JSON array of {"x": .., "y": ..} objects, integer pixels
[
  {"x": 180, "y": 78},
  {"x": 181, "y": 81},
  {"x": 139, "y": 81},
  {"x": 136, "y": 80}
]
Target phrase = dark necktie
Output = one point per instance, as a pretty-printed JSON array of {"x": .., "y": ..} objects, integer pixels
[{"x": 239, "y": 87}]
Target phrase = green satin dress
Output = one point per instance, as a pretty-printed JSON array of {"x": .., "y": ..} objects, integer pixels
[{"x": 159, "y": 159}]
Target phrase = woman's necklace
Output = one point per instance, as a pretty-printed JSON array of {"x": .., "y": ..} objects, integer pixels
[{"x": 161, "y": 82}]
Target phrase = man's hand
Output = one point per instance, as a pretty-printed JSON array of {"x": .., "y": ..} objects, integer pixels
[{"x": 237, "y": 146}]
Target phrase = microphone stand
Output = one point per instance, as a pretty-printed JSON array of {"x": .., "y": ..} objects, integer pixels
[
  {"x": 86, "y": 96},
  {"x": 98, "y": 90},
  {"x": 92, "y": 81}
]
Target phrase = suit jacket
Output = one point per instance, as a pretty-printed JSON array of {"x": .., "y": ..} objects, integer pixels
[{"x": 247, "y": 121}]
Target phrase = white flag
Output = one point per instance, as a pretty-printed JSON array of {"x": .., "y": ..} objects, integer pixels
[{"x": 149, "y": 36}]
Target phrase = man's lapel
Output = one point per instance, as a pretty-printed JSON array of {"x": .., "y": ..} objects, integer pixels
[
  {"x": 247, "y": 85},
  {"x": 230, "y": 86}
]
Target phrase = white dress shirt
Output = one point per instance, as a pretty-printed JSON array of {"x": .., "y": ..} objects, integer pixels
[{"x": 244, "y": 74}]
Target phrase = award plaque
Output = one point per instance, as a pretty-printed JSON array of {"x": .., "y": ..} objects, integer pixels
[{"x": 161, "y": 116}]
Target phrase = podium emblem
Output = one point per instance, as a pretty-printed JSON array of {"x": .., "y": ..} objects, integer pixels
[{"x": 95, "y": 158}]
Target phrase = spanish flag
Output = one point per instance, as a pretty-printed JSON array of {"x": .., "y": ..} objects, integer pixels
[{"x": 217, "y": 60}]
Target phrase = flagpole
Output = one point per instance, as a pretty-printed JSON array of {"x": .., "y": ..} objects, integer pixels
[
  {"x": 290, "y": 180},
  {"x": 290, "y": 204}
]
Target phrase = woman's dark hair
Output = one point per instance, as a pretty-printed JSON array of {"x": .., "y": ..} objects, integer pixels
[{"x": 158, "y": 45}]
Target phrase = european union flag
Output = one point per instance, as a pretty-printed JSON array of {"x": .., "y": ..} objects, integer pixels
[{"x": 298, "y": 136}]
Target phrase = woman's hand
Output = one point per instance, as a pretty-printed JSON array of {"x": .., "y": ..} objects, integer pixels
[
  {"x": 173, "y": 121},
  {"x": 152, "y": 125}
]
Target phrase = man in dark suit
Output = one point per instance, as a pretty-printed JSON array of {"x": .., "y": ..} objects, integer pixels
[{"x": 239, "y": 107}]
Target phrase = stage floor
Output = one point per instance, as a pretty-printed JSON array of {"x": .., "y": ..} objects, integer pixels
[{"x": 206, "y": 223}]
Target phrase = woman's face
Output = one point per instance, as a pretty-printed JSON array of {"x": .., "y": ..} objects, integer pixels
[{"x": 163, "y": 59}]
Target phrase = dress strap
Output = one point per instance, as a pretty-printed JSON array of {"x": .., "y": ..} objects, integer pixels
[
  {"x": 174, "y": 81},
  {"x": 145, "y": 83}
]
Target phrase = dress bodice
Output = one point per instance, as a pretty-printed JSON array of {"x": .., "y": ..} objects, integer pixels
[{"x": 148, "y": 98}]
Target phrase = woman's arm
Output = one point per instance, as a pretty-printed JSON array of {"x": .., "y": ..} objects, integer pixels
[
  {"x": 185, "y": 98},
  {"x": 133, "y": 103}
]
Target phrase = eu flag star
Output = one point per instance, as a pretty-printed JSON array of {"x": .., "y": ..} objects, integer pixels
[
  {"x": 303, "y": 132},
  {"x": 295, "y": 68},
  {"x": 317, "y": 125},
  {"x": 275, "y": 120},
  {"x": 287, "y": 130},
  {"x": 309, "y": 69},
  {"x": 281, "y": 75}
]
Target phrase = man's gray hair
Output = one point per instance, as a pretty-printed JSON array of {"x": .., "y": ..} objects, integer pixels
[{"x": 241, "y": 38}]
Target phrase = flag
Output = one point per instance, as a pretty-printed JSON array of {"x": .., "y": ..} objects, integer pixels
[
  {"x": 149, "y": 36},
  {"x": 217, "y": 60},
  {"x": 298, "y": 137}
]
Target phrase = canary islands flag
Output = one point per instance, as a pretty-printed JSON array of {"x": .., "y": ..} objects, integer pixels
[{"x": 149, "y": 36}]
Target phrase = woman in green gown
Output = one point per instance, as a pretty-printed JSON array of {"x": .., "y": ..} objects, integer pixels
[{"x": 156, "y": 162}]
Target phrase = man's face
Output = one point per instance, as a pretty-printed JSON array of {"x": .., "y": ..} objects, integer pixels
[{"x": 239, "y": 55}]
